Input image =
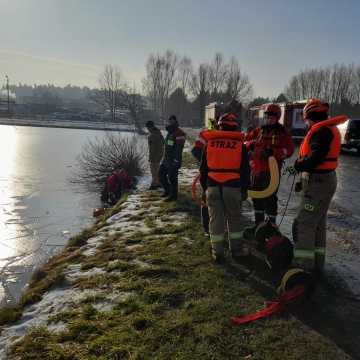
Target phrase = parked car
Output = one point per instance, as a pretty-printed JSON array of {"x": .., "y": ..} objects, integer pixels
[{"x": 350, "y": 134}]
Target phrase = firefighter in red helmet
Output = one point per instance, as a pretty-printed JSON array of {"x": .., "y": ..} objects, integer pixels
[
  {"x": 317, "y": 162},
  {"x": 225, "y": 170},
  {"x": 271, "y": 139}
]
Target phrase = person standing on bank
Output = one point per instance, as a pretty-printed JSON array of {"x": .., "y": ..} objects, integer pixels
[
  {"x": 156, "y": 153},
  {"x": 271, "y": 139},
  {"x": 169, "y": 168},
  {"x": 226, "y": 171},
  {"x": 317, "y": 162}
]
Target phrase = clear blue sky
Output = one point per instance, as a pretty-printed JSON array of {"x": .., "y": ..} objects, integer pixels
[{"x": 70, "y": 41}]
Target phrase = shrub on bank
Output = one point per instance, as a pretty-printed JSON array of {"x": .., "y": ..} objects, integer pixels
[{"x": 100, "y": 157}]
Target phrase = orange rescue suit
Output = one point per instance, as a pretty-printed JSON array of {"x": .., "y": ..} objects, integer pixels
[
  {"x": 224, "y": 154},
  {"x": 331, "y": 160}
]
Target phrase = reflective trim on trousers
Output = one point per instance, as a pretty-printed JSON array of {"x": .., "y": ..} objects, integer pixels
[
  {"x": 235, "y": 235},
  {"x": 216, "y": 238},
  {"x": 304, "y": 254},
  {"x": 320, "y": 251}
]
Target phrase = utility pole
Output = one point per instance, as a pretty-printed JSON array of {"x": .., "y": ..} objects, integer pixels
[{"x": 8, "y": 94}]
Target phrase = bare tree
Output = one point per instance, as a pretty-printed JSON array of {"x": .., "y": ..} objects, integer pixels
[
  {"x": 135, "y": 103},
  {"x": 160, "y": 79},
  {"x": 185, "y": 71},
  {"x": 200, "y": 86},
  {"x": 100, "y": 157},
  {"x": 238, "y": 86},
  {"x": 333, "y": 84},
  {"x": 171, "y": 61},
  {"x": 111, "y": 84},
  {"x": 355, "y": 86},
  {"x": 217, "y": 74},
  {"x": 292, "y": 90},
  {"x": 115, "y": 94},
  {"x": 152, "y": 81},
  {"x": 341, "y": 83}
]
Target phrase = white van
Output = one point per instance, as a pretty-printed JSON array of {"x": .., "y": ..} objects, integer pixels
[{"x": 350, "y": 134}]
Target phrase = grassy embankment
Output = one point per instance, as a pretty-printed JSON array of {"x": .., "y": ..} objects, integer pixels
[{"x": 180, "y": 304}]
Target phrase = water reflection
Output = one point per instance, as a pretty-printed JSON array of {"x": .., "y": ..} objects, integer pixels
[
  {"x": 36, "y": 205},
  {"x": 39, "y": 210},
  {"x": 8, "y": 143}
]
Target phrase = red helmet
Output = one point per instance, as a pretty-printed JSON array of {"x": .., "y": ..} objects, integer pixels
[
  {"x": 315, "y": 106},
  {"x": 272, "y": 109},
  {"x": 228, "y": 119}
]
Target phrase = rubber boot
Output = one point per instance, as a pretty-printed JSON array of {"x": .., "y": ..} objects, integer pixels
[
  {"x": 205, "y": 219},
  {"x": 238, "y": 249},
  {"x": 319, "y": 264},
  {"x": 217, "y": 252}
]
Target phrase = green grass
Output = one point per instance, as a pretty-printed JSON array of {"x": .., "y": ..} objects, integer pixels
[
  {"x": 189, "y": 161},
  {"x": 180, "y": 307},
  {"x": 50, "y": 275}
]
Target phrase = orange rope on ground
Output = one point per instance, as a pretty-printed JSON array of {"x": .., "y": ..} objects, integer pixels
[{"x": 193, "y": 189}]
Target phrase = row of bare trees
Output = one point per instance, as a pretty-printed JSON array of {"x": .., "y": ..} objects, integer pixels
[
  {"x": 210, "y": 81},
  {"x": 114, "y": 93},
  {"x": 172, "y": 83},
  {"x": 171, "y": 79},
  {"x": 161, "y": 78},
  {"x": 337, "y": 84}
]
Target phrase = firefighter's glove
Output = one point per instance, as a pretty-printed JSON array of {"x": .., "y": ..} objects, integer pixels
[
  {"x": 298, "y": 186},
  {"x": 266, "y": 153}
]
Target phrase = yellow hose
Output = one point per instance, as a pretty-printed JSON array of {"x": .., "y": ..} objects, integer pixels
[
  {"x": 274, "y": 181},
  {"x": 282, "y": 287}
]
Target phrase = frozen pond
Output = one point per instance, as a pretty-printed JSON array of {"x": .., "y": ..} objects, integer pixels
[{"x": 39, "y": 211}]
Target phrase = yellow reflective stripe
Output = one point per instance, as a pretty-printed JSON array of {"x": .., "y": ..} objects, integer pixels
[
  {"x": 286, "y": 277},
  {"x": 320, "y": 251},
  {"x": 216, "y": 238},
  {"x": 304, "y": 254},
  {"x": 235, "y": 235},
  {"x": 309, "y": 207}
]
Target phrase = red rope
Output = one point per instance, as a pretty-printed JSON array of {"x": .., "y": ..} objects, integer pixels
[
  {"x": 273, "y": 307},
  {"x": 193, "y": 188}
]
